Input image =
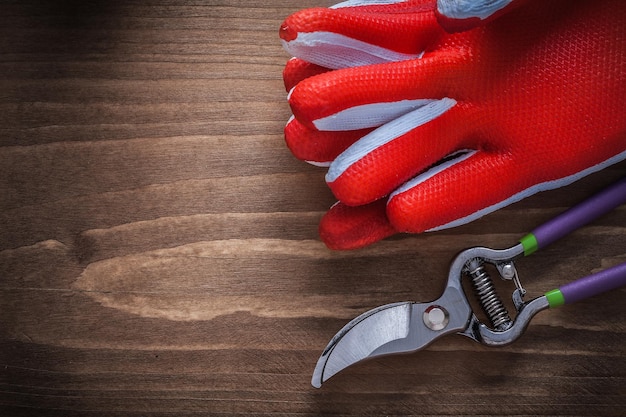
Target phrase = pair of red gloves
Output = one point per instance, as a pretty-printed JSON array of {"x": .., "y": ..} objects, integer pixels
[{"x": 432, "y": 114}]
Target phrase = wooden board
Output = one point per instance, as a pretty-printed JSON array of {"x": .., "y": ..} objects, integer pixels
[{"x": 159, "y": 251}]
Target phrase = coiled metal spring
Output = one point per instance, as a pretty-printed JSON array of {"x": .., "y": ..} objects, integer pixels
[{"x": 487, "y": 295}]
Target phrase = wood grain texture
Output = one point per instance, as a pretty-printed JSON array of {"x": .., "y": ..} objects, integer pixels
[{"x": 159, "y": 252}]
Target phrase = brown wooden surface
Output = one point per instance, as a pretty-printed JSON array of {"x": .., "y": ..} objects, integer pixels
[{"x": 159, "y": 251}]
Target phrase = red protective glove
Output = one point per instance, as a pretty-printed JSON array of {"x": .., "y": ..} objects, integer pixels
[{"x": 425, "y": 130}]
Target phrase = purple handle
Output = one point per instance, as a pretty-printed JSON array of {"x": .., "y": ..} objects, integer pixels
[
  {"x": 594, "y": 284},
  {"x": 581, "y": 214}
]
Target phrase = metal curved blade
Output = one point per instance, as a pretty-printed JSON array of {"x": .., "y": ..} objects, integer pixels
[{"x": 390, "y": 329}]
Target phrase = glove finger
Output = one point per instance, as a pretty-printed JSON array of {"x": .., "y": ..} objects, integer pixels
[
  {"x": 364, "y": 97},
  {"x": 394, "y": 153},
  {"x": 464, "y": 189},
  {"x": 456, "y": 192},
  {"x": 316, "y": 147},
  {"x": 344, "y": 227},
  {"x": 355, "y": 36},
  {"x": 458, "y": 16},
  {"x": 472, "y": 185},
  {"x": 297, "y": 70}
]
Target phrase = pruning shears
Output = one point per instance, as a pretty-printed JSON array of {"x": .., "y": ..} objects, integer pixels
[{"x": 406, "y": 327}]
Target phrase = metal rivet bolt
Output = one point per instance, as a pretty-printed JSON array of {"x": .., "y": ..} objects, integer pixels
[
  {"x": 436, "y": 317},
  {"x": 508, "y": 271}
]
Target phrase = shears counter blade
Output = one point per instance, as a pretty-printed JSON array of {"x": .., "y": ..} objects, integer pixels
[{"x": 391, "y": 329}]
